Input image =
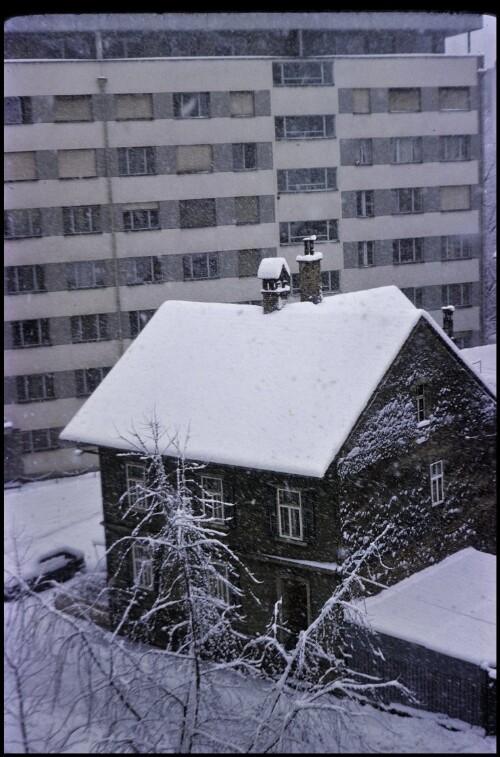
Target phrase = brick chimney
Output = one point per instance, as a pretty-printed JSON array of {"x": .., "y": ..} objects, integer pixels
[
  {"x": 275, "y": 276},
  {"x": 310, "y": 272},
  {"x": 448, "y": 311}
]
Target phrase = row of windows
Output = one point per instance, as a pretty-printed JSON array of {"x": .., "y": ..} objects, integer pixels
[
  {"x": 408, "y": 99},
  {"x": 40, "y": 440},
  {"x": 453, "y": 147},
  {"x": 40, "y": 387},
  {"x": 128, "y": 107},
  {"x": 410, "y": 200},
  {"x": 458, "y": 295},
  {"x": 132, "y": 161},
  {"x": 412, "y": 250},
  {"x": 87, "y": 219},
  {"x": 289, "y": 504},
  {"x": 77, "y": 108},
  {"x": 91, "y": 274}
]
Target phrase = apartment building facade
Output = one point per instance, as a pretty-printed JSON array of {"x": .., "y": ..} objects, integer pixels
[{"x": 140, "y": 174}]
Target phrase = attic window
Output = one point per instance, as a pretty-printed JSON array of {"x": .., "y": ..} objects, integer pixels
[{"x": 421, "y": 399}]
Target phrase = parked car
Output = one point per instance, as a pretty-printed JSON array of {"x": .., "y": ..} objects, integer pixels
[{"x": 59, "y": 565}]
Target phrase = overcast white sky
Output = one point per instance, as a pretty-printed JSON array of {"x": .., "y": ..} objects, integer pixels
[{"x": 483, "y": 41}]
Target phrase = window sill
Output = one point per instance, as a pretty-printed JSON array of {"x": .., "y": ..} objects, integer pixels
[
  {"x": 203, "y": 278},
  {"x": 455, "y": 210},
  {"x": 77, "y": 178},
  {"x": 32, "y": 291},
  {"x": 454, "y": 160},
  {"x": 80, "y": 233},
  {"x": 155, "y": 228},
  {"x": 317, "y": 241},
  {"x": 407, "y": 212},
  {"x": 302, "y": 191},
  {"x": 141, "y": 283},
  {"x": 242, "y": 115},
  {"x": 28, "y": 236},
  {"x": 17, "y": 181},
  {"x": 407, "y": 262},
  {"x": 295, "y": 542},
  {"x": 136, "y": 118}
]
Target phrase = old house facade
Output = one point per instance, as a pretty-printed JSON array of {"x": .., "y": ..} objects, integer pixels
[{"x": 318, "y": 426}]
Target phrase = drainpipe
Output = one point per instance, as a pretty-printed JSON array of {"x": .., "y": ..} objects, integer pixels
[{"x": 102, "y": 82}]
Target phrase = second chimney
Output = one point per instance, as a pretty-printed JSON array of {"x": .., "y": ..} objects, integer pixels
[
  {"x": 310, "y": 272},
  {"x": 448, "y": 311}
]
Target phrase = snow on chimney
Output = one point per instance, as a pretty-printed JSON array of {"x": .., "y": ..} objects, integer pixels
[
  {"x": 310, "y": 272},
  {"x": 448, "y": 311},
  {"x": 275, "y": 275}
]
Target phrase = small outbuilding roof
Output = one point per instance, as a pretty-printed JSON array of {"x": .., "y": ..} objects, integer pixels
[
  {"x": 271, "y": 268},
  {"x": 278, "y": 391},
  {"x": 449, "y": 607}
]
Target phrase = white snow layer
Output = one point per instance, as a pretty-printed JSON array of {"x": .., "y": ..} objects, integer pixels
[
  {"x": 270, "y": 268},
  {"x": 484, "y": 360},
  {"x": 278, "y": 391},
  {"x": 449, "y": 607}
]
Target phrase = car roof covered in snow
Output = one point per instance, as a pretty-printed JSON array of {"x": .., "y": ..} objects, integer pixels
[{"x": 278, "y": 391}]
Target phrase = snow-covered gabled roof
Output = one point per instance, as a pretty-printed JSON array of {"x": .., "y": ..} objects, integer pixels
[
  {"x": 279, "y": 391},
  {"x": 271, "y": 268},
  {"x": 449, "y": 607}
]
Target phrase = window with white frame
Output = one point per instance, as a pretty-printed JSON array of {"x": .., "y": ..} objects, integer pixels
[
  {"x": 194, "y": 158},
  {"x": 407, "y": 250},
  {"x": 330, "y": 281},
  {"x": 138, "y": 319},
  {"x": 455, "y": 198},
  {"x": 404, "y": 100},
  {"x": 414, "y": 294},
  {"x": 144, "y": 218},
  {"x": 72, "y": 108},
  {"x": 31, "y": 333},
  {"x": 458, "y": 295},
  {"x": 365, "y": 203},
  {"x": 192, "y": 105},
  {"x": 437, "y": 482},
  {"x": 241, "y": 104},
  {"x": 86, "y": 274},
  {"x": 201, "y": 265},
  {"x": 76, "y": 164},
  {"x": 19, "y": 166},
  {"x": 84, "y": 219},
  {"x": 302, "y": 73},
  {"x": 365, "y": 156},
  {"x": 304, "y": 127},
  {"x": 365, "y": 254},
  {"x": 35, "y": 388},
  {"x": 455, "y": 247},
  {"x": 245, "y": 156},
  {"x": 307, "y": 179},
  {"x": 17, "y": 110},
  {"x": 136, "y": 161},
  {"x": 455, "y": 147},
  {"x": 212, "y": 498},
  {"x": 145, "y": 270},
  {"x": 89, "y": 328},
  {"x": 142, "y": 566},
  {"x": 19, "y": 224},
  {"x": 421, "y": 402},
  {"x": 137, "y": 497},
  {"x": 293, "y": 232},
  {"x": 406, "y": 149},
  {"x": 24, "y": 279},
  {"x": 290, "y": 525},
  {"x": 361, "y": 100},
  {"x": 218, "y": 583},
  {"x": 409, "y": 200},
  {"x": 136, "y": 107},
  {"x": 454, "y": 98},
  {"x": 88, "y": 379}
]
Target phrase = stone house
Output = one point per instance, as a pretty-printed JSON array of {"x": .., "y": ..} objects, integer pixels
[{"x": 320, "y": 422}]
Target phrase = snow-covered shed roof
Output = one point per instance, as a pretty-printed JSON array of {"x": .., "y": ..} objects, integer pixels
[
  {"x": 449, "y": 607},
  {"x": 278, "y": 391},
  {"x": 271, "y": 268}
]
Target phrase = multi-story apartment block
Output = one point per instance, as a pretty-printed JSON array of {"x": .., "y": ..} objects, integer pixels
[{"x": 162, "y": 157}]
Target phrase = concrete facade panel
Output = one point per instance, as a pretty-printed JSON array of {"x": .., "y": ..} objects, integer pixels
[
  {"x": 407, "y": 124},
  {"x": 309, "y": 205},
  {"x": 409, "y": 175},
  {"x": 401, "y": 71},
  {"x": 49, "y": 136},
  {"x": 286, "y": 101},
  {"x": 410, "y": 225},
  {"x": 313, "y": 153}
]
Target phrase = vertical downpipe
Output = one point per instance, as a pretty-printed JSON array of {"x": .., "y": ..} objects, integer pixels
[{"x": 102, "y": 82}]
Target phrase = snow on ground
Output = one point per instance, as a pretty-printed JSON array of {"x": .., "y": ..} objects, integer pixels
[
  {"x": 484, "y": 360},
  {"x": 47, "y": 514},
  {"x": 68, "y": 511}
]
